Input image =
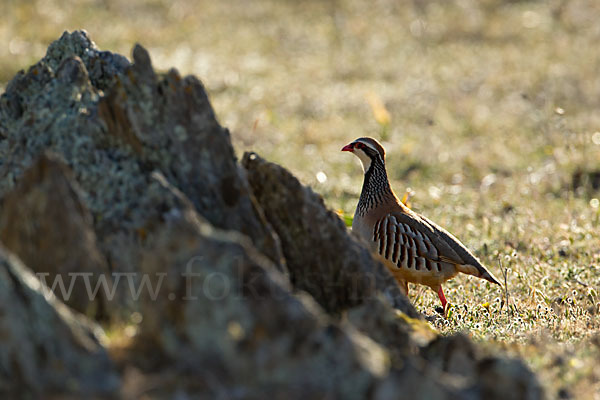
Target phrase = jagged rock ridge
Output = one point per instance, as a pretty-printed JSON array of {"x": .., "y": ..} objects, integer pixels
[{"x": 152, "y": 187}]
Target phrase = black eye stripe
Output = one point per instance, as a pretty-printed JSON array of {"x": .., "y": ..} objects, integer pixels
[
  {"x": 372, "y": 153},
  {"x": 368, "y": 150}
]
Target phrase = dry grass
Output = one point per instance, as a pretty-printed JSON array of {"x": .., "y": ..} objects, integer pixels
[{"x": 489, "y": 111}]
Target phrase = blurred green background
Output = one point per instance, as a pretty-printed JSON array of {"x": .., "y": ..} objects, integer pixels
[{"x": 489, "y": 111}]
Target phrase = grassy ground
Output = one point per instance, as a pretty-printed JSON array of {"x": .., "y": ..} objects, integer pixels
[{"x": 489, "y": 110}]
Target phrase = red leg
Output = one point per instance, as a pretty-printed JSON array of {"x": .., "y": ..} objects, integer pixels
[{"x": 440, "y": 293}]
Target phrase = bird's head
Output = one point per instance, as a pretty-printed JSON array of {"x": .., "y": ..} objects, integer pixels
[{"x": 368, "y": 150}]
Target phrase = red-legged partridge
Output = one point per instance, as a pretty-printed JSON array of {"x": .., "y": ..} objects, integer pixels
[{"x": 413, "y": 248}]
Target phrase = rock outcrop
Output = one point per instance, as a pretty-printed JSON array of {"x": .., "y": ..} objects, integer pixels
[
  {"x": 169, "y": 123},
  {"x": 114, "y": 123},
  {"x": 244, "y": 284},
  {"x": 226, "y": 314},
  {"x": 45, "y": 349},
  {"x": 44, "y": 221}
]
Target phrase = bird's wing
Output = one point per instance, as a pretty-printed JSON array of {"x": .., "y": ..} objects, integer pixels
[
  {"x": 410, "y": 240},
  {"x": 397, "y": 232},
  {"x": 449, "y": 248}
]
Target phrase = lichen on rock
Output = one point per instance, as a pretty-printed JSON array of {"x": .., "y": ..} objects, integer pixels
[
  {"x": 169, "y": 122},
  {"x": 113, "y": 123}
]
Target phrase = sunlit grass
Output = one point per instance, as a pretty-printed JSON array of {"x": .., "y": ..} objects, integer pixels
[{"x": 487, "y": 110}]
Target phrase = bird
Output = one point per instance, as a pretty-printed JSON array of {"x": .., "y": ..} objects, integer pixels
[{"x": 411, "y": 246}]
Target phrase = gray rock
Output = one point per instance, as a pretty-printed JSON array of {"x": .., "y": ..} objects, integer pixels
[
  {"x": 415, "y": 380},
  {"x": 221, "y": 315},
  {"x": 226, "y": 316},
  {"x": 501, "y": 378},
  {"x": 45, "y": 349},
  {"x": 455, "y": 354},
  {"x": 114, "y": 123},
  {"x": 45, "y": 223},
  {"x": 170, "y": 124},
  {"x": 400, "y": 334},
  {"x": 488, "y": 377},
  {"x": 322, "y": 257}
]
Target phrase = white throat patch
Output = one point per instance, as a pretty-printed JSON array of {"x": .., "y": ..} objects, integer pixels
[{"x": 365, "y": 160}]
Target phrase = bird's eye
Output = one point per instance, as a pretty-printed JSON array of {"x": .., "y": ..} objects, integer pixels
[{"x": 359, "y": 145}]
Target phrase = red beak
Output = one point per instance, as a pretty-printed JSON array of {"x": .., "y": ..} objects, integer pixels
[{"x": 348, "y": 147}]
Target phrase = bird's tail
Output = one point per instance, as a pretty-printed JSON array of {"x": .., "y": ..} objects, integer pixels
[{"x": 479, "y": 271}]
